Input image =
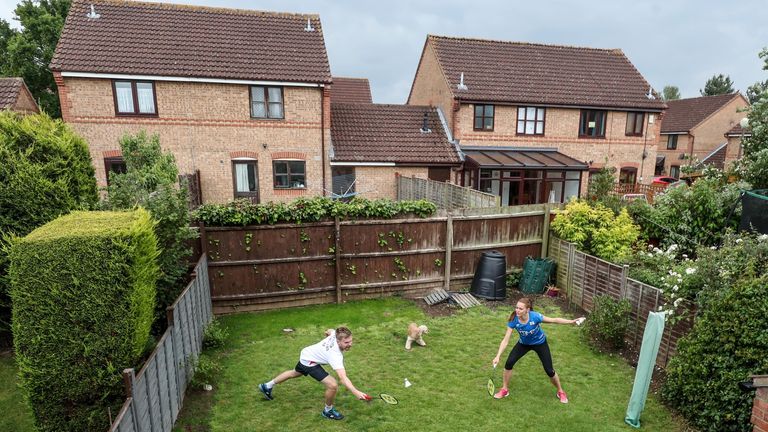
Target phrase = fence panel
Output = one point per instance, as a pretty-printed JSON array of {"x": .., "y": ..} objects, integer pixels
[
  {"x": 445, "y": 195},
  {"x": 584, "y": 276},
  {"x": 156, "y": 394}
]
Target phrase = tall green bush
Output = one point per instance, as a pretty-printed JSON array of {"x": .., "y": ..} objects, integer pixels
[
  {"x": 151, "y": 181},
  {"x": 83, "y": 290},
  {"x": 607, "y": 324},
  {"x": 728, "y": 343},
  {"x": 595, "y": 229},
  {"x": 45, "y": 172}
]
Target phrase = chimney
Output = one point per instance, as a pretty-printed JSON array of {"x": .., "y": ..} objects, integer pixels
[{"x": 425, "y": 124}]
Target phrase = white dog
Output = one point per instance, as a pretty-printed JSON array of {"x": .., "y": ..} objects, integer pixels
[{"x": 415, "y": 333}]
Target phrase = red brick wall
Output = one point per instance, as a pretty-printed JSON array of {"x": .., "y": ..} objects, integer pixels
[
  {"x": 760, "y": 405},
  {"x": 203, "y": 125}
]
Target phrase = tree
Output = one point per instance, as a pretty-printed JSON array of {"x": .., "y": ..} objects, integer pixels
[
  {"x": 717, "y": 85},
  {"x": 753, "y": 166},
  {"x": 670, "y": 93},
  {"x": 27, "y": 53},
  {"x": 756, "y": 90},
  {"x": 151, "y": 181}
]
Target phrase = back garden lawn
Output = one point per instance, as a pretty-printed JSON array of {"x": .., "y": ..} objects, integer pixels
[
  {"x": 16, "y": 414},
  {"x": 448, "y": 376}
]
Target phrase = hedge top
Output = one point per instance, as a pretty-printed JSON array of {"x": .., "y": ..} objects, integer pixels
[{"x": 86, "y": 224}]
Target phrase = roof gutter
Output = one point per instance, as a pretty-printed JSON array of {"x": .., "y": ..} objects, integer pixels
[{"x": 187, "y": 79}]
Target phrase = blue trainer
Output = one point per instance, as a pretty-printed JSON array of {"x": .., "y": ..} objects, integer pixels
[
  {"x": 332, "y": 414},
  {"x": 267, "y": 391}
]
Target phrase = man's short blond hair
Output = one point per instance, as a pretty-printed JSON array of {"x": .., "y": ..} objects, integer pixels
[{"x": 343, "y": 332}]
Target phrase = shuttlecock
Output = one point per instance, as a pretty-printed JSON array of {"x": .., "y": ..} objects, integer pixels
[
  {"x": 580, "y": 321},
  {"x": 407, "y": 383}
]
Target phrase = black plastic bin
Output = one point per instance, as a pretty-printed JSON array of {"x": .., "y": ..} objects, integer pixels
[{"x": 490, "y": 276}]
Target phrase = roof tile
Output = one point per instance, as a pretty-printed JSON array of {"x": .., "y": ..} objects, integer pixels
[
  {"x": 351, "y": 90},
  {"x": 191, "y": 41},
  {"x": 684, "y": 114},
  {"x": 517, "y": 72},
  {"x": 9, "y": 91}
]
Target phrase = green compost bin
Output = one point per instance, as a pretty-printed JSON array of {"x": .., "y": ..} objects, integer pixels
[{"x": 537, "y": 273}]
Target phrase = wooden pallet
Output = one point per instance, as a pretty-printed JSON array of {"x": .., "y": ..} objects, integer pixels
[
  {"x": 465, "y": 300},
  {"x": 437, "y": 296}
]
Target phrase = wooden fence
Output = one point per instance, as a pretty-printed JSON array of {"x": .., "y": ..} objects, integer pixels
[
  {"x": 279, "y": 266},
  {"x": 445, "y": 195},
  {"x": 583, "y": 277},
  {"x": 649, "y": 190},
  {"x": 155, "y": 395}
]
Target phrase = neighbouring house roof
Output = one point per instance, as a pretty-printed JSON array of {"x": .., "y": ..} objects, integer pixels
[
  {"x": 738, "y": 131},
  {"x": 518, "y": 72},
  {"x": 717, "y": 157},
  {"x": 390, "y": 133},
  {"x": 685, "y": 114},
  {"x": 522, "y": 158},
  {"x": 165, "y": 39},
  {"x": 351, "y": 90},
  {"x": 9, "y": 91}
]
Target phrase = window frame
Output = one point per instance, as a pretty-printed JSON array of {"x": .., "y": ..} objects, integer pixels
[
  {"x": 135, "y": 98},
  {"x": 635, "y": 115},
  {"x": 669, "y": 138},
  {"x": 483, "y": 117},
  {"x": 584, "y": 123},
  {"x": 111, "y": 161},
  {"x": 288, "y": 170},
  {"x": 265, "y": 90},
  {"x": 674, "y": 169},
  {"x": 535, "y": 120},
  {"x": 253, "y": 195}
]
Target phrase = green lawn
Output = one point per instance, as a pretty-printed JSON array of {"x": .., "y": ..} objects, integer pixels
[
  {"x": 448, "y": 376},
  {"x": 16, "y": 414}
]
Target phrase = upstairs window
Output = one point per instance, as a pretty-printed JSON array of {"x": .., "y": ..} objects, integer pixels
[
  {"x": 135, "y": 98},
  {"x": 290, "y": 174},
  {"x": 267, "y": 102},
  {"x": 635, "y": 122},
  {"x": 530, "y": 121},
  {"x": 484, "y": 117},
  {"x": 671, "y": 142},
  {"x": 592, "y": 124}
]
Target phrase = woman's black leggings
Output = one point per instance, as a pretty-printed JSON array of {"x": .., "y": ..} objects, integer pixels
[{"x": 541, "y": 349}]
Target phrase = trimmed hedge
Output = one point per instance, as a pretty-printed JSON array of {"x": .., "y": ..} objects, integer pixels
[
  {"x": 243, "y": 212},
  {"x": 83, "y": 290},
  {"x": 45, "y": 172},
  {"x": 728, "y": 343}
]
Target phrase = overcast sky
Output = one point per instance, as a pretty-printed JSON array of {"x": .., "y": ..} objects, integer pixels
[{"x": 671, "y": 42}]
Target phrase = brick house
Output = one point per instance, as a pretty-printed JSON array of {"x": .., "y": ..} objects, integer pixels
[
  {"x": 694, "y": 129},
  {"x": 15, "y": 96},
  {"x": 373, "y": 142},
  {"x": 531, "y": 119},
  {"x": 239, "y": 96},
  {"x": 733, "y": 148}
]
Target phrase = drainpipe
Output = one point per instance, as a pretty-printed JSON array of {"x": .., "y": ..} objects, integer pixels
[{"x": 324, "y": 94}]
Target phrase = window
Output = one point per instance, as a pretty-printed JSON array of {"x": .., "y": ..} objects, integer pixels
[
  {"x": 246, "y": 179},
  {"x": 592, "y": 123},
  {"x": 114, "y": 165},
  {"x": 635, "y": 122},
  {"x": 484, "y": 117},
  {"x": 267, "y": 102},
  {"x": 134, "y": 97},
  {"x": 671, "y": 142},
  {"x": 530, "y": 121},
  {"x": 674, "y": 171},
  {"x": 289, "y": 174},
  {"x": 628, "y": 175}
]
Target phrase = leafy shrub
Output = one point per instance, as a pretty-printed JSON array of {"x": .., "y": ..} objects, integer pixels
[
  {"x": 727, "y": 344},
  {"x": 45, "y": 172},
  {"x": 205, "y": 369},
  {"x": 243, "y": 212},
  {"x": 608, "y": 322},
  {"x": 150, "y": 181},
  {"x": 513, "y": 278},
  {"x": 215, "y": 335},
  {"x": 596, "y": 230},
  {"x": 83, "y": 289}
]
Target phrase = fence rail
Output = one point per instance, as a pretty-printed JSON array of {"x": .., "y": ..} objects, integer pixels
[
  {"x": 583, "y": 277},
  {"x": 649, "y": 190},
  {"x": 155, "y": 394},
  {"x": 445, "y": 195}
]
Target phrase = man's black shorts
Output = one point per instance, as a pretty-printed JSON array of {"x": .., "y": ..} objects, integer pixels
[{"x": 317, "y": 372}]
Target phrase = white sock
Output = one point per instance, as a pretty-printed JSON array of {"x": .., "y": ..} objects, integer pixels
[
  {"x": 270, "y": 384},
  {"x": 328, "y": 407}
]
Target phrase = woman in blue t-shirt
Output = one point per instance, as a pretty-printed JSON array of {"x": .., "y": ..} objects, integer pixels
[{"x": 532, "y": 338}]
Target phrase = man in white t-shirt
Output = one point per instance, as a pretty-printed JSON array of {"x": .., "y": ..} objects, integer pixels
[{"x": 327, "y": 351}]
